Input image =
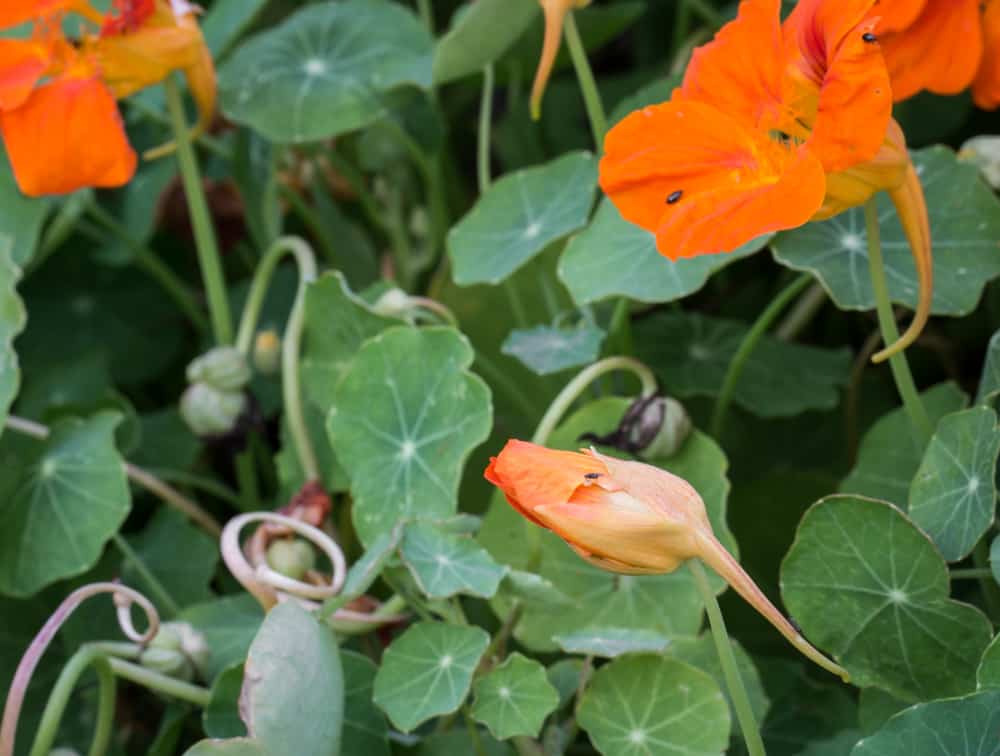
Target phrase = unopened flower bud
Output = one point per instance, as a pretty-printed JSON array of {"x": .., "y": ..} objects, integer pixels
[
  {"x": 394, "y": 303},
  {"x": 661, "y": 428},
  {"x": 291, "y": 557},
  {"x": 177, "y": 650},
  {"x": 222, "y": 368},
  {"x": 267, "y": 352},
  {"x": 984, "y": 151},
  {"x": 209, "y": 411}
]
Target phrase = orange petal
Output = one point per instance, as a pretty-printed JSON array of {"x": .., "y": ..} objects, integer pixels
[
  {"x": 17, "y": 12},
  {"x": 986, "y": 87},
  {"x": 134, "y": 61},
  {"x": 838, "y": 80},
  {"x": 740, "y": 71},
  {"x": 702, "y": 182},
  {"x": 897, "y": 14},
  {"x": 68, "y": 135},
  {"x": 22, "y": 64},
  {"x": 940, "y": 51}
]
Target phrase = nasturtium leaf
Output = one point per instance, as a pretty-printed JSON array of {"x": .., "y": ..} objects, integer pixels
[
  {"x": 995, "y": 558},
  {"x": 293, "y": 684},
  {"x": 653, "y": 706},
  {"x": 548, "y": 349},
  {"x": 405, "y": 416},
  {"x": 480, "y": 32},
  {"x": 531, "y": 588},
  {"x": 701, "y": 652},
  {"x": 691, "y": 353},
  {"x": 365, "y": 571},
  {"x": 876, "y": 707},
  {"x": 890, "y": 451},
  {"x": 12, "y": 320},
  {"x": 460, "y": 741},
  {"x": 233, "y": 747},
  {"x": 21, "y": 217},
  {"x": 965, "y": 226},
  {"x": 988, "y": 674},
  {"x": 180, "y": 556},
  {"x": 134, "y": 207},
  {"x": 61, "y": 500},
  {"x": 229, "y": 625},
  {"x": 365, "y": 729},
  {"x": 610, "y": 642},
  {"x": 613, "y": 257},
  {"x": 515, "y": 698},
  {"x": 444, "y": 564},
  {"x": 337, "y": 323},
  {"x": 427, "y": 672},
  {"x": 326, "y": 70},
  {"x": 867, "y": 586},
  {"x": 519, "y": 216},
  {"x": 226, "y": 20},
  {"x": 966, "y": 726},
  {"x": 989, "y": 381},
  {"x": 602, "y": 599},
  {"x": 953, "y": 496},
  {"x": 838, "y": 744},
  {"x": 221, "y": 718}
]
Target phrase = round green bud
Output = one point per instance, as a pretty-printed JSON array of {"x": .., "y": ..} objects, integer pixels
[
  {"x": 209, "y": 411},
  {"x": 267, "y": 352},
  {"x": 291, "y": 557},
  {"x": 661, "y": 428},
  {"x": 222, "y": 368}
]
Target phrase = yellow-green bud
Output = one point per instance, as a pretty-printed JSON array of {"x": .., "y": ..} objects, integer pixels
[
  {"x": 291, "y": 557},
  {"x": 177, "y": 650},
  {"x": 222, "y": 368},
  {"x": 209, "y": 411},
  {"x": 394, "y": 303},
  {"x": 267, "y": 352}
]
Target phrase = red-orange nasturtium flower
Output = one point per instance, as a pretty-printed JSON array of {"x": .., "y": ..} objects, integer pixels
[
  {"x": 58, "y": 116},
  {"x": 774, "y": 125},
  {"x": 626, "y": 517},
  {"x": 555, "y": 15},
  {"x": 943, "y": 46}
]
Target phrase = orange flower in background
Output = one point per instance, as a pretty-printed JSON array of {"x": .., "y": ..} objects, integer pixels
[
  {"x": 773, "y": 126},
  {"x": 942, "y": 46},
  {"x": 555, "y": 14},
  {"x": 626, "y": 517},
  {"x": 58, "y": 115}
]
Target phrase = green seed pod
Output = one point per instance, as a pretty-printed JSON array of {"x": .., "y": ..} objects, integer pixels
[
  {"x": 209, "y": 411},
  {"x": 177, "y": 650},
  {"x": 291, "y": 558},
  {"x": 394, "y": 303},
  {"x": 222, "y": 368},
  {"x": 267, "y": 352}
]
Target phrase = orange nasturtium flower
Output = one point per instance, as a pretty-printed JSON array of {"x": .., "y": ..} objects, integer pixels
[
  {"x": 555, "y": 15},
  {"x": 774, "y": 125},
  {"x": 58, "y": 115},
  {"x": 943, "y": 46},
  {"x": 626, "y": 517}
]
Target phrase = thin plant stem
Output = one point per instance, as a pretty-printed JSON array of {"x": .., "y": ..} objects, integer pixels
[
  {"x": 485, "y": 125},
  {"x": 890, "y": 334},
  {"x": 156, "y": 588},
  {"x": 746, "y": 347},
  {"x": 246, "y": 481},
  {"x": 169, "y": 686},
  {"x": 210, "y": 486},
  {"x": 292, "y": 341},
  {"x": 48, "y": 728},
  {"x": 737, "y": 691},
  {"x": 201, "y": 219},
  {"x": 988, "y": 583},
  {"x": 209, "y": 142},
  {"x": 972, "y": 573},
  {"x": 426, "y": 14},
  {"x": 708, "y": 13},
  {"x": 801, "y": 315},
  {"x": 682, "y": 25},
  {"x": 477, "y": 742},
  {"x": 588, "y": 86},
  {"x": 144, "y": 478}
]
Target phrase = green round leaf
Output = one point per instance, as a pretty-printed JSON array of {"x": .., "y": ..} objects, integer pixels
[
  {"x": 515, "y": 698},
  {"x": 480, "y": 33},
  {"x": 326, "y": 70},
  {"x": 613, "y": 257},
  {"x": 966, "y": 726},
  {"x": 652, "y": 706},
  {"x": 610, "y": 642},
  {"x": 953, "y": 496},
  {"x": 989, "y": 381},
  {"x": 519, "y": 216},
  {"x": 60, "y": 502},
  {"x": 234, "y": 747},
  {"x": 21, "y": 218},
  {"x": 221, "y": 718},
  {"x": 445, "y": 565},
  {"x": 965, "y": 226},
  {"x": 12, "y": 320},
  {"x": 365, "y": 729},
  {"x": 866, "y": 585},
  {"x": 691, "y": 355},
  {"x": 405, "y": 416},
  {"x": 548, "y": 349},
  {"x": 890, "y": 451},
  {"x": 988, "y": 674},
  {"x": 427, "y": 671},
  {"x": 293, "y": 685}
]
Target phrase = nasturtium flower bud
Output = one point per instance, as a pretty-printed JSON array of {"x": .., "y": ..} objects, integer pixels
[
  {"x": 267, "y": 352},
  {"x": 207, "y": 411},
  {"x": 292, "y": 558},
  {"x": 661, "y": 428},
  {"x": 984, "y": 151},
  {"x": 223, "y": 368},
  {"x": 626, "y": 517},
  {"x": 555, "y": 15}
]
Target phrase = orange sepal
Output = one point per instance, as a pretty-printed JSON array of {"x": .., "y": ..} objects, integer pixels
[
  {"x": 940, "y": 51},
  {"x": 702, "y": 182},
  {"x": 68, "y": 135},
  {"x": 22, "y": 65},
  {"x": 555, "y": 14},
  {"x": 986, "y": 87}
]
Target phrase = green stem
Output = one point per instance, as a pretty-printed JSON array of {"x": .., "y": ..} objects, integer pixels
[
  {"x": 485, "y": 124},
  {"x": 426, "y": 14},
  {"x": 477, "y": 742},
  {"x": 167, "y": 602},
  {"x": 746, "y": 347},
  {"x": 987, "y": 582},
  {"x": 209, "y": 142},
  {"x": 707, "y": 11},
  {"x": 201, "y": 219},
  {"x": 682, "y": 25},
  {"x": 972, "y": 573},
  {"x": 801, "y": 315},
  {"x": 161, "y": 683},
  {"x": 588, "y": 86},
  {"x": 292, "y": 341},
  {"x": 890, "y": 334},
  {"x": 737, "y": 691},
  {"x": 48, "y": 728}
]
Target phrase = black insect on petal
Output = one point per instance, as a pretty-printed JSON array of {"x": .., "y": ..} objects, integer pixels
[
  {"x": 869, "y": 37},
  {"x": 674, "y": 197},
  {"x": 592, "y": 476}
]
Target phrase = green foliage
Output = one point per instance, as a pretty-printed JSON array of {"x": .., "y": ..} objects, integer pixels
[
  {"x": 12, "y": 319},
  {"x": 444, "y": 564},
  {"x": 515, "y": 698},
  {"x": 479, "y": 34}
]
